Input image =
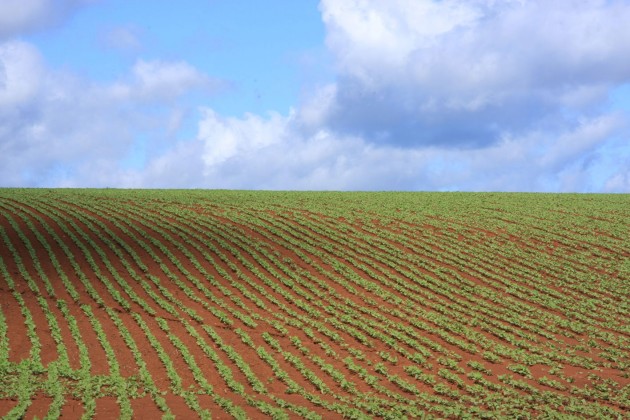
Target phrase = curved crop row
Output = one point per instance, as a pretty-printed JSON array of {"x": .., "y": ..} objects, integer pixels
[{"x": 315, "y": 305}]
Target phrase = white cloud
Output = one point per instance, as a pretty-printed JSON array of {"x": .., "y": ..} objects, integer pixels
[
  {"x": 20, "y": 75},
  {"x": 570, "y": 146},
  {"x": 429, "y": 95},
  {"x": 373, "y": 39},
  {"x": 317, "y": 108},
  {"x": 463, "y": 73},
  {"x": 277, "y": 153},
  {"x": 225, "y": 138},
  {"x": 58, "y": 129},
  {"x": 620, "y": 182},
  {"x": 20, "y": 16},
  {"x": 162, "y": 80}
]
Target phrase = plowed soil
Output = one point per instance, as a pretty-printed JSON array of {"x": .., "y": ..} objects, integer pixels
[{"x": 330, "y": 305}]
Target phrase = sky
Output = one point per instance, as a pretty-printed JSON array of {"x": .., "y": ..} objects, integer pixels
[{"x": 415, "y": 95}]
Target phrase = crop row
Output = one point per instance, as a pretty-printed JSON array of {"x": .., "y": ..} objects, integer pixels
[{"x": 278, "y": 305}]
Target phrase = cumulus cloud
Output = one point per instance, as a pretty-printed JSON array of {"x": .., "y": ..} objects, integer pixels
[
  {"x": 463, "y": 73},
  {"x": 276, "y": 152},
  {"x": 21, "y": 16},
  {"x": 20, "y": 75},
  {"x": 619, "y": 182},
  {"x": 428, "y": 95},
  {"x": 449, "y": 95},
  {"x": 162, "y": 80},
  {"x": 225, "y": 138},
  {"x": 58, "y": 129},
  {"x": 271, "y": 153},
  {"x": 453, "y": 94}
]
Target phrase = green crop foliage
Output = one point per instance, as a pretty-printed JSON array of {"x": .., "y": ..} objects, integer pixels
[{"x": 315, "y": 305}]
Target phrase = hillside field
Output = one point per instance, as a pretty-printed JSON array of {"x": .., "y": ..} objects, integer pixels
[{"x": 241, "y": 304}]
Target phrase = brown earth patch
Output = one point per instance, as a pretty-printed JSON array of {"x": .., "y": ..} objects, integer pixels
[{"x": 320, "y": 285}]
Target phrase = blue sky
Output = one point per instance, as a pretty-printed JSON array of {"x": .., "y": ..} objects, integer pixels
[{"x": 474, "y": 95}]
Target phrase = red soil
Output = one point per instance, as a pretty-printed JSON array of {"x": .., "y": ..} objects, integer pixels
[
  {"x": 72, "y": 409},
  {"x": 219, "y": 226}
]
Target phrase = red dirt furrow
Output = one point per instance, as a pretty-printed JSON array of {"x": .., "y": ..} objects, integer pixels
[
  {"x": 248, "y": 255},
  {"x": 379, "y": 346},
  {"x": 188, "y": 303},
  {"x": 115, "y": 260},
  {"x": 157, "y": 370},
  {"x": 207, "y": 402},
  {"x": 122, "y": 353},
  {"x": 246, "y": 271},
  {"x": 183, "y": 259},
  {"x": 573, "y": 370},
  {"x": 107, "y": 408},
  {"x": 178, "y": 293},
  {"x": 208, "y": 266},
  {"x": 155, "y": 270},
  {"x": 398, "y": 245},
  {"x": 146, "y": 408},
  {"x": 42, "y": 328},
  {"x": 150, "y": 356},
  {"x": 275, "y": 244},
  {"x": 402, "y": 246},
  {"x": 249, "y": 355},
  {"x": 385, "y": 268},
  {"x": 316, "y": 254},
  {"x": 586, "y": 244},
  {"x": 68, "y": 341},
  {"x": 555, "y": 252},
  {"x": 59, "y": 288},
  {"x": 72, "y": 408},
  {"x": 243, "y": 379},
  {"x": 557, "y": 243},
  {"x": 178, "y": 407},
  {"x": 477, "y": 280},
  {"x": 81, "y": 259},
  {"x": 30, "y": 212},
  {"x": 98, "y": 358},
  {"x": 556, "y": 312},
  {"x": 97, "y": 354},
  {"x": 296, "y": 332},
  {"x": 179, "y": 364},
  {"x": 606, "y": 252},
  {"x": 337, "y": 362},
  {"x": 381, "y": 302},
  {"x": 40, "y": 403},
  {"x": 267, "y": 236},
  {"x": 463, "y": 274},
  {"x": 19, "y": 343},
  {"x": 250, "y": 260},
  {"x": 468, "y": 357},
  {"x": 275, "y": 386},
  {"x": 49, "y": 347},
  {"x": 211, "y": 374},
  {"x": 41, "y": 256},
  {"x": 6, "y": 405}
]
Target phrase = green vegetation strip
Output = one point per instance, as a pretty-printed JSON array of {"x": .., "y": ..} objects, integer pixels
[{"x": 277, "y": 304}]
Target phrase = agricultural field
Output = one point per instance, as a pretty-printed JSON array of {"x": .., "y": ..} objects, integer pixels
[{"x": 237, "y": 304}]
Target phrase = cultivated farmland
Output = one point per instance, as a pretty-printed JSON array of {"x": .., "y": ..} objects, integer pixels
[{"x": 242, "y": 304}]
